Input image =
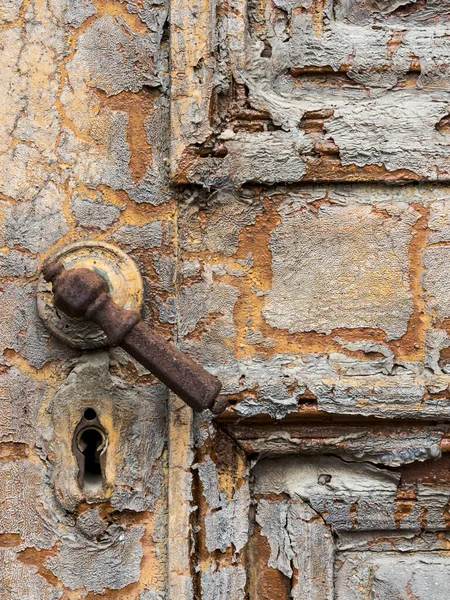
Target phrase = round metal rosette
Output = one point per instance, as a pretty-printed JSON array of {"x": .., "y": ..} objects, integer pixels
[{"x": 117, "y": 268}]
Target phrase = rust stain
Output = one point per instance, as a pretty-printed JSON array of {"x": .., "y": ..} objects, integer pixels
[
  {"x": 117, "y": 9},
  {"x": 10, "y": 540},
  {"x": 354, "y": 514},
  {"x": 37, "y": 558},
  {"x": 412, "y": 345},
  {"x": 405, "y": 502},
  {"x": 395, "y": 42},
  {"x": 265, "y": 583},
  {"x": 318, "y": 9}
]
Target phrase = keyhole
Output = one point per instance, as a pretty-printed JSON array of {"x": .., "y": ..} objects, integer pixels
[{"x": 91, "y": 442}]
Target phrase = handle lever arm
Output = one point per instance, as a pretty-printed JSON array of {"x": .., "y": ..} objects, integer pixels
[{"x": 81, "y": 292}]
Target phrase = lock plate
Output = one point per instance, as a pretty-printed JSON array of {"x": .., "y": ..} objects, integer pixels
[{"x": 119, "y": 271}]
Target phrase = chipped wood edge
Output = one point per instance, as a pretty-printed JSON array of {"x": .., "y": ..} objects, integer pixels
[
  {"x": 179, "y": 499},
  {"x": 192, "y": 33}
]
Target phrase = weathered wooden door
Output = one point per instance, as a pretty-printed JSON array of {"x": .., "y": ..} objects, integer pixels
[
  {"x": 314, "y": 256},
  {"x": 278, "y": 171}
]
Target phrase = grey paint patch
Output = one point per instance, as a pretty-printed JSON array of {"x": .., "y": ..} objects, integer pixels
[
  {"x": 168, "y": 310},
  {"x": 91, "y": 524},
  {"x": 16, "y": 264},
  {"x": 20, "y": 399},
  {"x": 189, "y": 268},
  {"x": 19, "y": 580},
  {"x": 313, "y": 561},
  {"x": 153, "y": 13},
  {"x": 229, "y": 526},
  {"x": 112, "y": 562},
  {"x": 272, "y": 517},
  {"x": 409, "y": 125},
  {"x": 24, "y": 331},
  {"x": 200, "y": 301},
  {"x": 224, "y": 584},
  {"x": 367, "y": 494},
  {"x": 273, "y": 399},
  {"x": 389, "y": 448},
  {"x": 300, "y": 543},
  {"x": 152, "y": 595},
  {"x": 208, "y": 476},
  {"x": 123, "y": 62},
  {"x": 133, "y": 236},
  {"x": 154, "y": 187},
  {"x": 362, "y": 282},
  {"x": 374, "y": 394},
  {"x": 373, "y": 11},
  {"x": 73, "y": 12},
  {"x": 346, "y": 365},
  {"x": 264, "y": 157},
  {"x": 227, "y": 215},
  {"x": 93, "y": 213},
  {"x": 365, "y": 574},
  {"x": 404, "y": 541},
  {"x": 140, "y": 474},
  {"x": 35, "y": 225},
  {"x": 165, "y": 267},
  {"x": 34, "y": 517},
  {"x": 439, "y": 222},
  {"x": 436, "y": 280},
  {"x": 435, "y": 341},
  {"x": 317, "y": 481},
  {"x": 10, "y": 10}
]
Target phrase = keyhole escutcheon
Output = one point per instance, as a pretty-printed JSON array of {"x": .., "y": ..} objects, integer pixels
[{"x": 89, "y": 445}]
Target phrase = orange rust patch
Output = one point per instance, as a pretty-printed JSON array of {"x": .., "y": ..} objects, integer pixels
[
  {"x": 52, "y": 372},
  {"x": 37, "y": 558},
  {"x": 412, "y": 344},
  {"x": 395, "y": 42},
  {"x": 354, "y": 514},
  {"x": 13, "y": 451},
  {"x": 10, "y": 540},
  {"x": 405, "y": 503},
  {"x": 328, "y": 168},
  {"x": 318, "y": 9},
  {"x": 265, "y": 583}
]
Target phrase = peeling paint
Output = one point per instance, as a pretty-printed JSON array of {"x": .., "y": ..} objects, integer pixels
[
  {"x": 224, "y": 584},
  {"x": 114, "y": 563}
]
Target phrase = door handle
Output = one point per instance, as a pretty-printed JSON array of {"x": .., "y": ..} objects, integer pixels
[{"x": 81, "y": 292}]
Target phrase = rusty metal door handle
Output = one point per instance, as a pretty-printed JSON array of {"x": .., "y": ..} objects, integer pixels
[{"x": 80, "y": 292}]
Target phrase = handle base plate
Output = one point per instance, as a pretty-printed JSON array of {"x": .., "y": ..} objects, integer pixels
[{"x": 115, "y": 266}]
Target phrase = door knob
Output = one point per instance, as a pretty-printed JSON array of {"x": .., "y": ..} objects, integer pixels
[{"x": 81, "y": 292}]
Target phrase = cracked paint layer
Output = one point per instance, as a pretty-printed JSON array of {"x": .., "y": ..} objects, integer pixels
[
  {"x": 410, "y": 576},
  {"x": 364, "y": 84},
  {"x": 111, "y": 562}
]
